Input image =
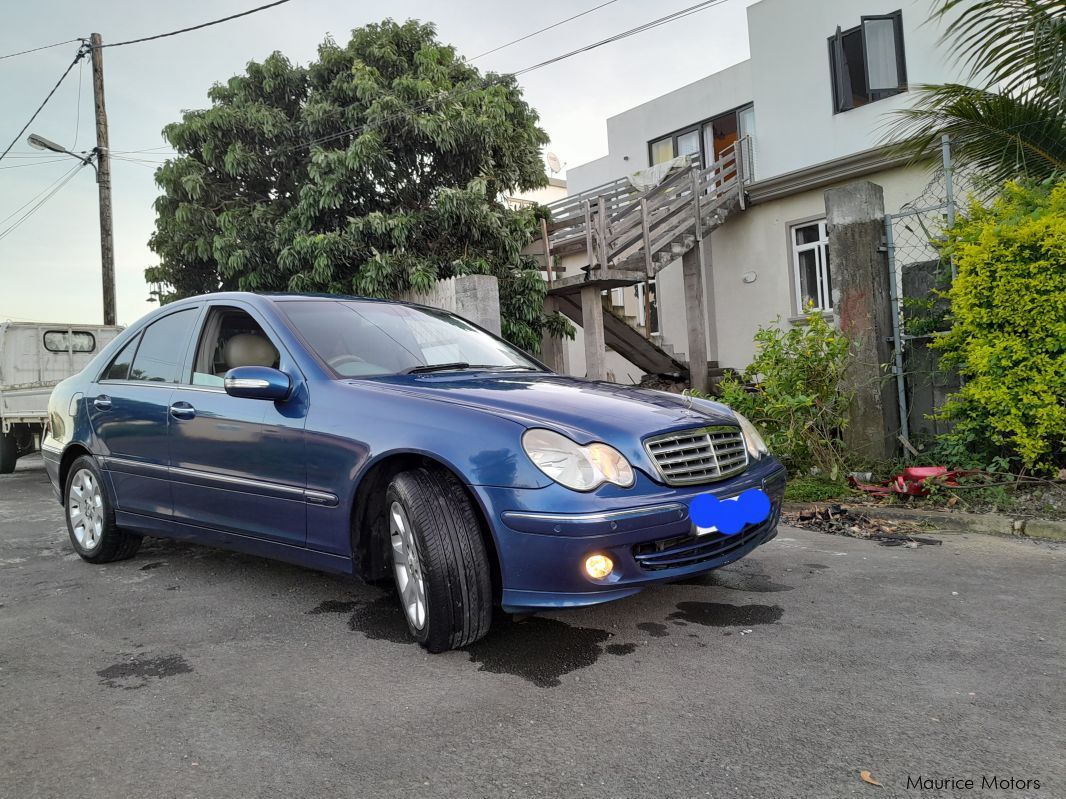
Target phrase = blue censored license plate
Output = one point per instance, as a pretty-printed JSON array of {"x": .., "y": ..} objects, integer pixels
[{"x": 728, "y": 516}]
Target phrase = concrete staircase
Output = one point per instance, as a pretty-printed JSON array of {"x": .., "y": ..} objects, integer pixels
[{"x": 627, "y": 237}]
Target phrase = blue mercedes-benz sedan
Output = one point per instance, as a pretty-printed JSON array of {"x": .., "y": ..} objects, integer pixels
[{"x": 381, "y": 438}]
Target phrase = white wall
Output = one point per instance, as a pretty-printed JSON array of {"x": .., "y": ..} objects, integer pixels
[
  {"x": 788, "y": 79},
  {"x": 791, "y": 84},
  {"x": 588, "y": 176},
  {"x": 756, "y": 240}
]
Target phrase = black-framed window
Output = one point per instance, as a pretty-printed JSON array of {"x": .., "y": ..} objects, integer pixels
[
  {"x": 119, "y": 368},
  {"x": 867, "y": 63},
  {"x": 162, "y": 348},
  {"x": 706, "y": 139},
  {"x": 69, "y": 341}
]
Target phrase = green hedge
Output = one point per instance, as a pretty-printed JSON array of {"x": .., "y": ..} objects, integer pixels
[{"x": 1008, "y": 334}]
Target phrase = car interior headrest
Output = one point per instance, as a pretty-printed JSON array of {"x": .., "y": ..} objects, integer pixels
[{"x": 244, "y": 349}]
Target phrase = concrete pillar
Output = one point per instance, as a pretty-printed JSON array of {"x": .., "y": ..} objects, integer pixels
[
  {"x": 477, "y": 298},
  {"x": 858, "y": 264},
  {"x": 553, "y": 351},
  {"x": 473, "y": 297},
  {"x": 592, "y": 326},
  {"x": 692, "y": 271}
]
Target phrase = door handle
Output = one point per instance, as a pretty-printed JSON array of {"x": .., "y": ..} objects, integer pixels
[
  {"x": 182, "y": 410},
  {"x": 102, "y": 403}
]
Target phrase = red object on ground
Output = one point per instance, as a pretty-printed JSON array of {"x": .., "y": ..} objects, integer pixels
[{"x": 912, "y": 481}]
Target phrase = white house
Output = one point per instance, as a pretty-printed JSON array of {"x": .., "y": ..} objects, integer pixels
[{"x": 813, "y": 98}]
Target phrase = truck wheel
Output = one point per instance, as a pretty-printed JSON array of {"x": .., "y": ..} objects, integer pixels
[
  {"x": 439, "y": 560},
  {"x": 91, "y": 519},
  {"x": 9, "y": 453}
]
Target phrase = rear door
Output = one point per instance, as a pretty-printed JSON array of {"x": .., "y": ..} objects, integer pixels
[
  {"x": 238, "y": 465},
  {"x": 128, "y": 408}
]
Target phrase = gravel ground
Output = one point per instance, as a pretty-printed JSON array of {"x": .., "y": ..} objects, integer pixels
[{"x": 189, "y": 672}]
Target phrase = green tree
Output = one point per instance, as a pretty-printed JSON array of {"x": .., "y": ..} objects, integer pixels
[
  {"x": 1011, "y": 123},
  {"x": 376, "y": 168}
]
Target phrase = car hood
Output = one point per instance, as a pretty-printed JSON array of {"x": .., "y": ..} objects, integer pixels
[{"x": 586, "y": 410}]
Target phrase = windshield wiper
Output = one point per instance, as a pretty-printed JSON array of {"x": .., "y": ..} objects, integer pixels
[
  {"x": 462, "y": 365},
  {"x": 436, "y": 367}
]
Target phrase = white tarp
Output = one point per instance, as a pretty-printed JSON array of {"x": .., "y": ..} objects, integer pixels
[{"x": 644, "y": 179}]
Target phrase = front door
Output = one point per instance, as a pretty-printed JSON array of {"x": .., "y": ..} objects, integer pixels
[
  {"x": 237, "y": 465},
  {"x": 128, "y": 411}
]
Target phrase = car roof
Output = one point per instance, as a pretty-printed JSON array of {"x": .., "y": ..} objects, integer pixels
[{"x": 274, "y": 296}]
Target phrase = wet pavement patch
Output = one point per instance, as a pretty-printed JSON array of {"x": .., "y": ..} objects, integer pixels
[
  {"x": 717, "y": 614},
  {"x": 149, "y": 566},
  {"x": 137, "y": 671},
  {"x": 621, "y": 649},
  {"x": 537, "y": 649},
  {"x": 654, "y": 629},
  {"x": 738, "y": 579},
  {"x": 333, "y": 606},
  {"x": 381, "y": 620}
]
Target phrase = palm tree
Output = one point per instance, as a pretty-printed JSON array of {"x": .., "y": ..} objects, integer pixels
[{"x": 1011, "y": 122}]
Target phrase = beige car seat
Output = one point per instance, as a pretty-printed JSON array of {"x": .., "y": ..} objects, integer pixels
[{"x": 244, "y": 349}]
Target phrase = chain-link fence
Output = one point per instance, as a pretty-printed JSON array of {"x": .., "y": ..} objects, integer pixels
[{"x": 918, "y": 278}]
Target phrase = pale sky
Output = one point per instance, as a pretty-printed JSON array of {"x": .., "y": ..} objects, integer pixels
[{"x": 50, "y": 264}]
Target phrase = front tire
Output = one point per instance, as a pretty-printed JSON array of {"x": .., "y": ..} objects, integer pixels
[
  {"x": 9, "y": 453},
  {"x": 439, "y": 561},
  {"x": 90, "y": 517}
]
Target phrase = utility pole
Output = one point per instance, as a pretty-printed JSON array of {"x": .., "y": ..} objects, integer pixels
[{"x": 103, "y": 179}]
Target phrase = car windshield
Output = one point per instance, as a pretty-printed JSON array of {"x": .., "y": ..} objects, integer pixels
[{"x": 365, "y": 339}]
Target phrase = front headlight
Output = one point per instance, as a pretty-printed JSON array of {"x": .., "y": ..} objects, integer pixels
[
  {"x": 756, "y": 446},
  {"x": 581, "y": 468}
]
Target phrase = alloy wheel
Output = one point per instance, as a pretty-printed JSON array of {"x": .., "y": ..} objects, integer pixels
[
  {"x": 407, "y": 566},
  {"x": 86, "y": 508}
]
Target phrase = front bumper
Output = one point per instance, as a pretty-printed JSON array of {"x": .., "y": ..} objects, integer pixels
[{"x": 543, "y": 536}]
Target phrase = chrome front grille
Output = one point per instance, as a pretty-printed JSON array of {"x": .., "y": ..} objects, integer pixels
[{"x": 702, "y": 455}]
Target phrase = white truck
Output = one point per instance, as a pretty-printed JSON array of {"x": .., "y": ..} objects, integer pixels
[{"x": 34, "y": 357}]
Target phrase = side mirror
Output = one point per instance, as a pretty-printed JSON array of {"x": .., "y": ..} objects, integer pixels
[{"x": 258, "y": 382}]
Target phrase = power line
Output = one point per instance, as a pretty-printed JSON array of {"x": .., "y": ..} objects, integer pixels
[
  {"x": 542, "y": 30},
  {"x": 77, "y": 121},
  {"x": 35, "y": 197},
  {"x": 684, "y": 12},
  {"x": 42, "y": 47},
  {"x": 57, "y": 187},
  {"x": 77, "y": 58},
  {"x": 457, "y": 93},
  {"x": 35, "y": 163},
  {"x": 197, "y": 27}
]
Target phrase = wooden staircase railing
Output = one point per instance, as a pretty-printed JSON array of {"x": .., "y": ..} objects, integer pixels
[
  {"x": 628, "y": 236},
  {"x": 619, "y": 227}
]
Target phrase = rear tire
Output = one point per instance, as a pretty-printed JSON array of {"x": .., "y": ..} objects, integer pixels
[
  {"x": 438, "y": 559},
  {"x": 9, "y": 453},
  {"x": 90, "y": 517}
]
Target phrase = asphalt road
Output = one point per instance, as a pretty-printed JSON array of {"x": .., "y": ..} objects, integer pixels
[{"x": 189, "y": 672}]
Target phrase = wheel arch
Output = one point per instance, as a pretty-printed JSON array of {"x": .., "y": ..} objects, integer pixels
[
  {"x": 71, "y": 454},
  {"x": 367, "y": 515}
]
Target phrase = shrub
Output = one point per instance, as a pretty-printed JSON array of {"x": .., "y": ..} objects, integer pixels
[
  {"x": 1008, "y": 330},
  {"x": 792, "y": 392}
]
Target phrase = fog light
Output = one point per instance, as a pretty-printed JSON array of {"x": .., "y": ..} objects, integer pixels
[{"x": 598, "y": 566}]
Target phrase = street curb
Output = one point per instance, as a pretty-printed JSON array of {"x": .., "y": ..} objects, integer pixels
[{"x": 953, "y": 521}]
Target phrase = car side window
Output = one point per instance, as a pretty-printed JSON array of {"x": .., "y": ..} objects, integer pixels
[
  {"x": 162, "y": 349},
  {"x": 120, "y": 366},
  {"x": 231, "y": 337}
]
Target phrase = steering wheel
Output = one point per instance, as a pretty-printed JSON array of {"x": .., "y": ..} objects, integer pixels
[{"x": 338, "y": 362}]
